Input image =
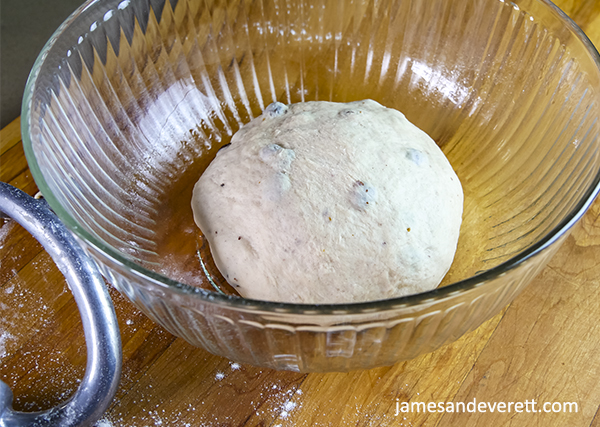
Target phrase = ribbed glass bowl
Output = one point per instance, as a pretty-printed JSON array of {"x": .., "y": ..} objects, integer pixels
[{"x": 130, "y": 100}]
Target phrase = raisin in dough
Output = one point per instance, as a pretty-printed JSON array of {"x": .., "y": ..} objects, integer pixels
[{"x": 323, "y": 202}]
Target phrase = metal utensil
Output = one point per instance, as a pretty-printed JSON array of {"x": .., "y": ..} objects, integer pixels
[{"x": 100, "y": 327}]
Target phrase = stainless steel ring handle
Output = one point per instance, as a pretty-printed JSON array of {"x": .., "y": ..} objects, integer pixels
[{"x": 100, "y": 327}]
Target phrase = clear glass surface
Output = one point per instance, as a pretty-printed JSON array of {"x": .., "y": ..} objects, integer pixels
[{"x": 130, "y": 100}]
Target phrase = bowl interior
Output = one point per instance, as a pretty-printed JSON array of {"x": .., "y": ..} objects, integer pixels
[{"x": 131, "y": 100}]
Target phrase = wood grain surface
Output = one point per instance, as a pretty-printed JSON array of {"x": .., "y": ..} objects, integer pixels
[{"x": 544, "y": 347}]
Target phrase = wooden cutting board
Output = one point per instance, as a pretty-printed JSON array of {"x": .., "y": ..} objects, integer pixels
[{"x": 543, "y": 348}]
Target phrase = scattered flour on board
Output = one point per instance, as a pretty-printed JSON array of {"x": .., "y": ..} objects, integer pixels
[
  {"x": 4, "y": 337},
  {"x": 234, "y": 367},
  {"x": 6, "y": 226},
  {"x": 281, "y": 406},
  {"x": 288, "y": 405}
]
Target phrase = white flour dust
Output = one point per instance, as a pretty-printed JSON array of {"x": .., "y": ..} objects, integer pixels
[
  {"x": 5, "y": 336},
  {"x": 277, "y": 405}
]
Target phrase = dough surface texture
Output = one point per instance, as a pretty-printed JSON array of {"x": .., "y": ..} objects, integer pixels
[{"x": 323, "y": 203}]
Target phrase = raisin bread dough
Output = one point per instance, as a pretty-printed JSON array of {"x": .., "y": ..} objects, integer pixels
[{"x": 323, "y": 202}]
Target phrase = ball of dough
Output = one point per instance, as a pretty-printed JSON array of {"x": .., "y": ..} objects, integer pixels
[{"x": 323, "y": 202}]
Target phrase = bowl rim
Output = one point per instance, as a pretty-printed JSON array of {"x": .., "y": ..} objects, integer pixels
[{"x": 235, "y": 302}]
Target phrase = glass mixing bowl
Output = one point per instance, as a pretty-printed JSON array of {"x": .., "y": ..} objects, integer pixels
[{"x": 130, "y": 100}]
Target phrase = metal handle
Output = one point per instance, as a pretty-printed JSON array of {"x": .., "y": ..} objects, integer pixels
[{"x": 100, "y": 327}]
